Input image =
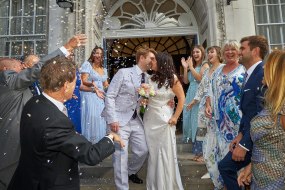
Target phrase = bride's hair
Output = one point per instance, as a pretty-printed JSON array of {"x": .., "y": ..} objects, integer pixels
[{"x": 164, "y": 75}]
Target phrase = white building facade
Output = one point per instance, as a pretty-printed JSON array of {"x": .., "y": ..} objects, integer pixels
[{"x": 120, "y": 26}]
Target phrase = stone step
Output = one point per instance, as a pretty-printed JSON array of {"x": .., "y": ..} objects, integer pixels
[
  {"x": 101, "y": 176},
  {"x": 108, "y": 184},
  {"x": 184, "y": 147},
  {"x": 187, "y": 167}
]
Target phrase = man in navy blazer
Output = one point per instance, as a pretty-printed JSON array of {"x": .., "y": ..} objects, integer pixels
[{"x": 252, "y": 51}]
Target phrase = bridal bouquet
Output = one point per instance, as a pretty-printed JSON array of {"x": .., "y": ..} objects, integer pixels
[{"x": 145, "y": 91}]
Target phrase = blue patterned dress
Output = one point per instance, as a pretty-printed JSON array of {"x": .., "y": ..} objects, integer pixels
[
  {"x": 268, "y": 153},
  {"x": 73, "y": 105},
  {"x": 226, "y": 105},
  {"x": 225, "y": 100},
  {"x": 92, "y": 124},
  {"x": 190, "y": 118}
]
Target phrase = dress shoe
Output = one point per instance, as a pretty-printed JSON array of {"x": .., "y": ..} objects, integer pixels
[{"x": 135, "y": 179}]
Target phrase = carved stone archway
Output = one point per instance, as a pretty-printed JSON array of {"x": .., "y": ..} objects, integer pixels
[{"x": 144, "y": 18}]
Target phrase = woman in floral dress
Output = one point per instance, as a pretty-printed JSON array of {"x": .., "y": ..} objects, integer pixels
[{"x": 222, "y": 104}]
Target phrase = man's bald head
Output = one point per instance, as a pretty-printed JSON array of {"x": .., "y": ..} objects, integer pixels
[{"x": 10, "y": 64}]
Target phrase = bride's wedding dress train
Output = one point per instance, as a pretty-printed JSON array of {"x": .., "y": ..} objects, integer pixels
[{"x": 163, "y": 172}]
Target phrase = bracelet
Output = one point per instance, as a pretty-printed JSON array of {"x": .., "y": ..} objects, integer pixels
[{"x": 92, "y": 89}]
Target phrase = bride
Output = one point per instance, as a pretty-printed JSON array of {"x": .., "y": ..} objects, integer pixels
[{"x": 160, "y": 125}]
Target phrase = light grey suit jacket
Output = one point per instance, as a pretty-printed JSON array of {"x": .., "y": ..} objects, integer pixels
[
  {"x": 121, "y": 99},
  {"x": 14, "y": 94}
]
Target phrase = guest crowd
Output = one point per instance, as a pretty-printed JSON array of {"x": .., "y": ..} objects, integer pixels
[
  {"x": 233, "y": 113},
  {"x": 240, "y": 119}
]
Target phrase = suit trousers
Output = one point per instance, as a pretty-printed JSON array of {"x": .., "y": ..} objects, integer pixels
[
  {"x": 229, "y": 168},
  {"x": 132, "y": 134}
]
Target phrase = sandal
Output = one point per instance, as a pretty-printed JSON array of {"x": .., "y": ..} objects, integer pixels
[
  {"x": 200, "y": 159},
  {"x": 195, "y": 158}
]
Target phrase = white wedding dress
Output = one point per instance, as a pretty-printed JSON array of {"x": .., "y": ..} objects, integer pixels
[{"x": 162, "y": 172}]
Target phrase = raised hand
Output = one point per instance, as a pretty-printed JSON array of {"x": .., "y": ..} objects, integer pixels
[
  {"x": 189, "y": 61},
  {"x": 76, "y": 41}
]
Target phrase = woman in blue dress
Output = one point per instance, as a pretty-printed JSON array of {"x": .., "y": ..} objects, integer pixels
[
  {"x": 93, "y": 75},
  {"x": 193, "y": 72},
  {"x": 73, "y": 105}
]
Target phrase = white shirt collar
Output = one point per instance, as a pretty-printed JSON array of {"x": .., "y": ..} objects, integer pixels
[
  {"x": 251, "y": 69},
  {"x": 138, "y": 69},
  {"x": 57, "y": 103}
]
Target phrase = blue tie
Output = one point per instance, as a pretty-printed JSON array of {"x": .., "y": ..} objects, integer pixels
[{"x": 244, "y": 80}]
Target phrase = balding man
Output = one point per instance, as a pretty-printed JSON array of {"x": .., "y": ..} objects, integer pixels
[
  {"x": 14, "y": 93},
  {"x": 10, "y": 64}
]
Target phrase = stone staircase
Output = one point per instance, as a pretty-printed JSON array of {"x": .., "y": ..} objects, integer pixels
[{"x": 101, "y": 177}]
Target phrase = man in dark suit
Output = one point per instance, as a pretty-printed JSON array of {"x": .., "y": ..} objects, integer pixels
[
  {"x": 253, "y": 49},
  {"x": 14, "y": 94},
  {"x": 50, "y": 146}
]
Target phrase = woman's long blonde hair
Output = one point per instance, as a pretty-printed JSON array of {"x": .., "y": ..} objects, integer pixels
[{"x": 274, "y": 78}]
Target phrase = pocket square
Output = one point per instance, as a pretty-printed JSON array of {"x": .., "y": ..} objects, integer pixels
[{"x": 245, "y": 90}]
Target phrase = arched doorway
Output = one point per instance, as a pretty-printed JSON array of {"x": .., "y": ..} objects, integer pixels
[
  {"x": 122, "y": 51},
  {"x": 165, "y": 25}
]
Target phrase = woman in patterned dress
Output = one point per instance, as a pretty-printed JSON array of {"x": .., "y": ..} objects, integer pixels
[
  {"x": 267, "y": 167},
  {"x": 207, "y": 126},
  {"x": 94, "y": 75},
  {"x": 222, "y": 104},
  {"x": 193, "y": 71}
]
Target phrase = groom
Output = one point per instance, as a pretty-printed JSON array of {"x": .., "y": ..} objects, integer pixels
[{"x": 120, "y": 112}]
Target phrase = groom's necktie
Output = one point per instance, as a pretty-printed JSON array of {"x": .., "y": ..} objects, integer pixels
[
  {"x": 142, "y": 81},
  {"x": 143, "y": 78}
]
